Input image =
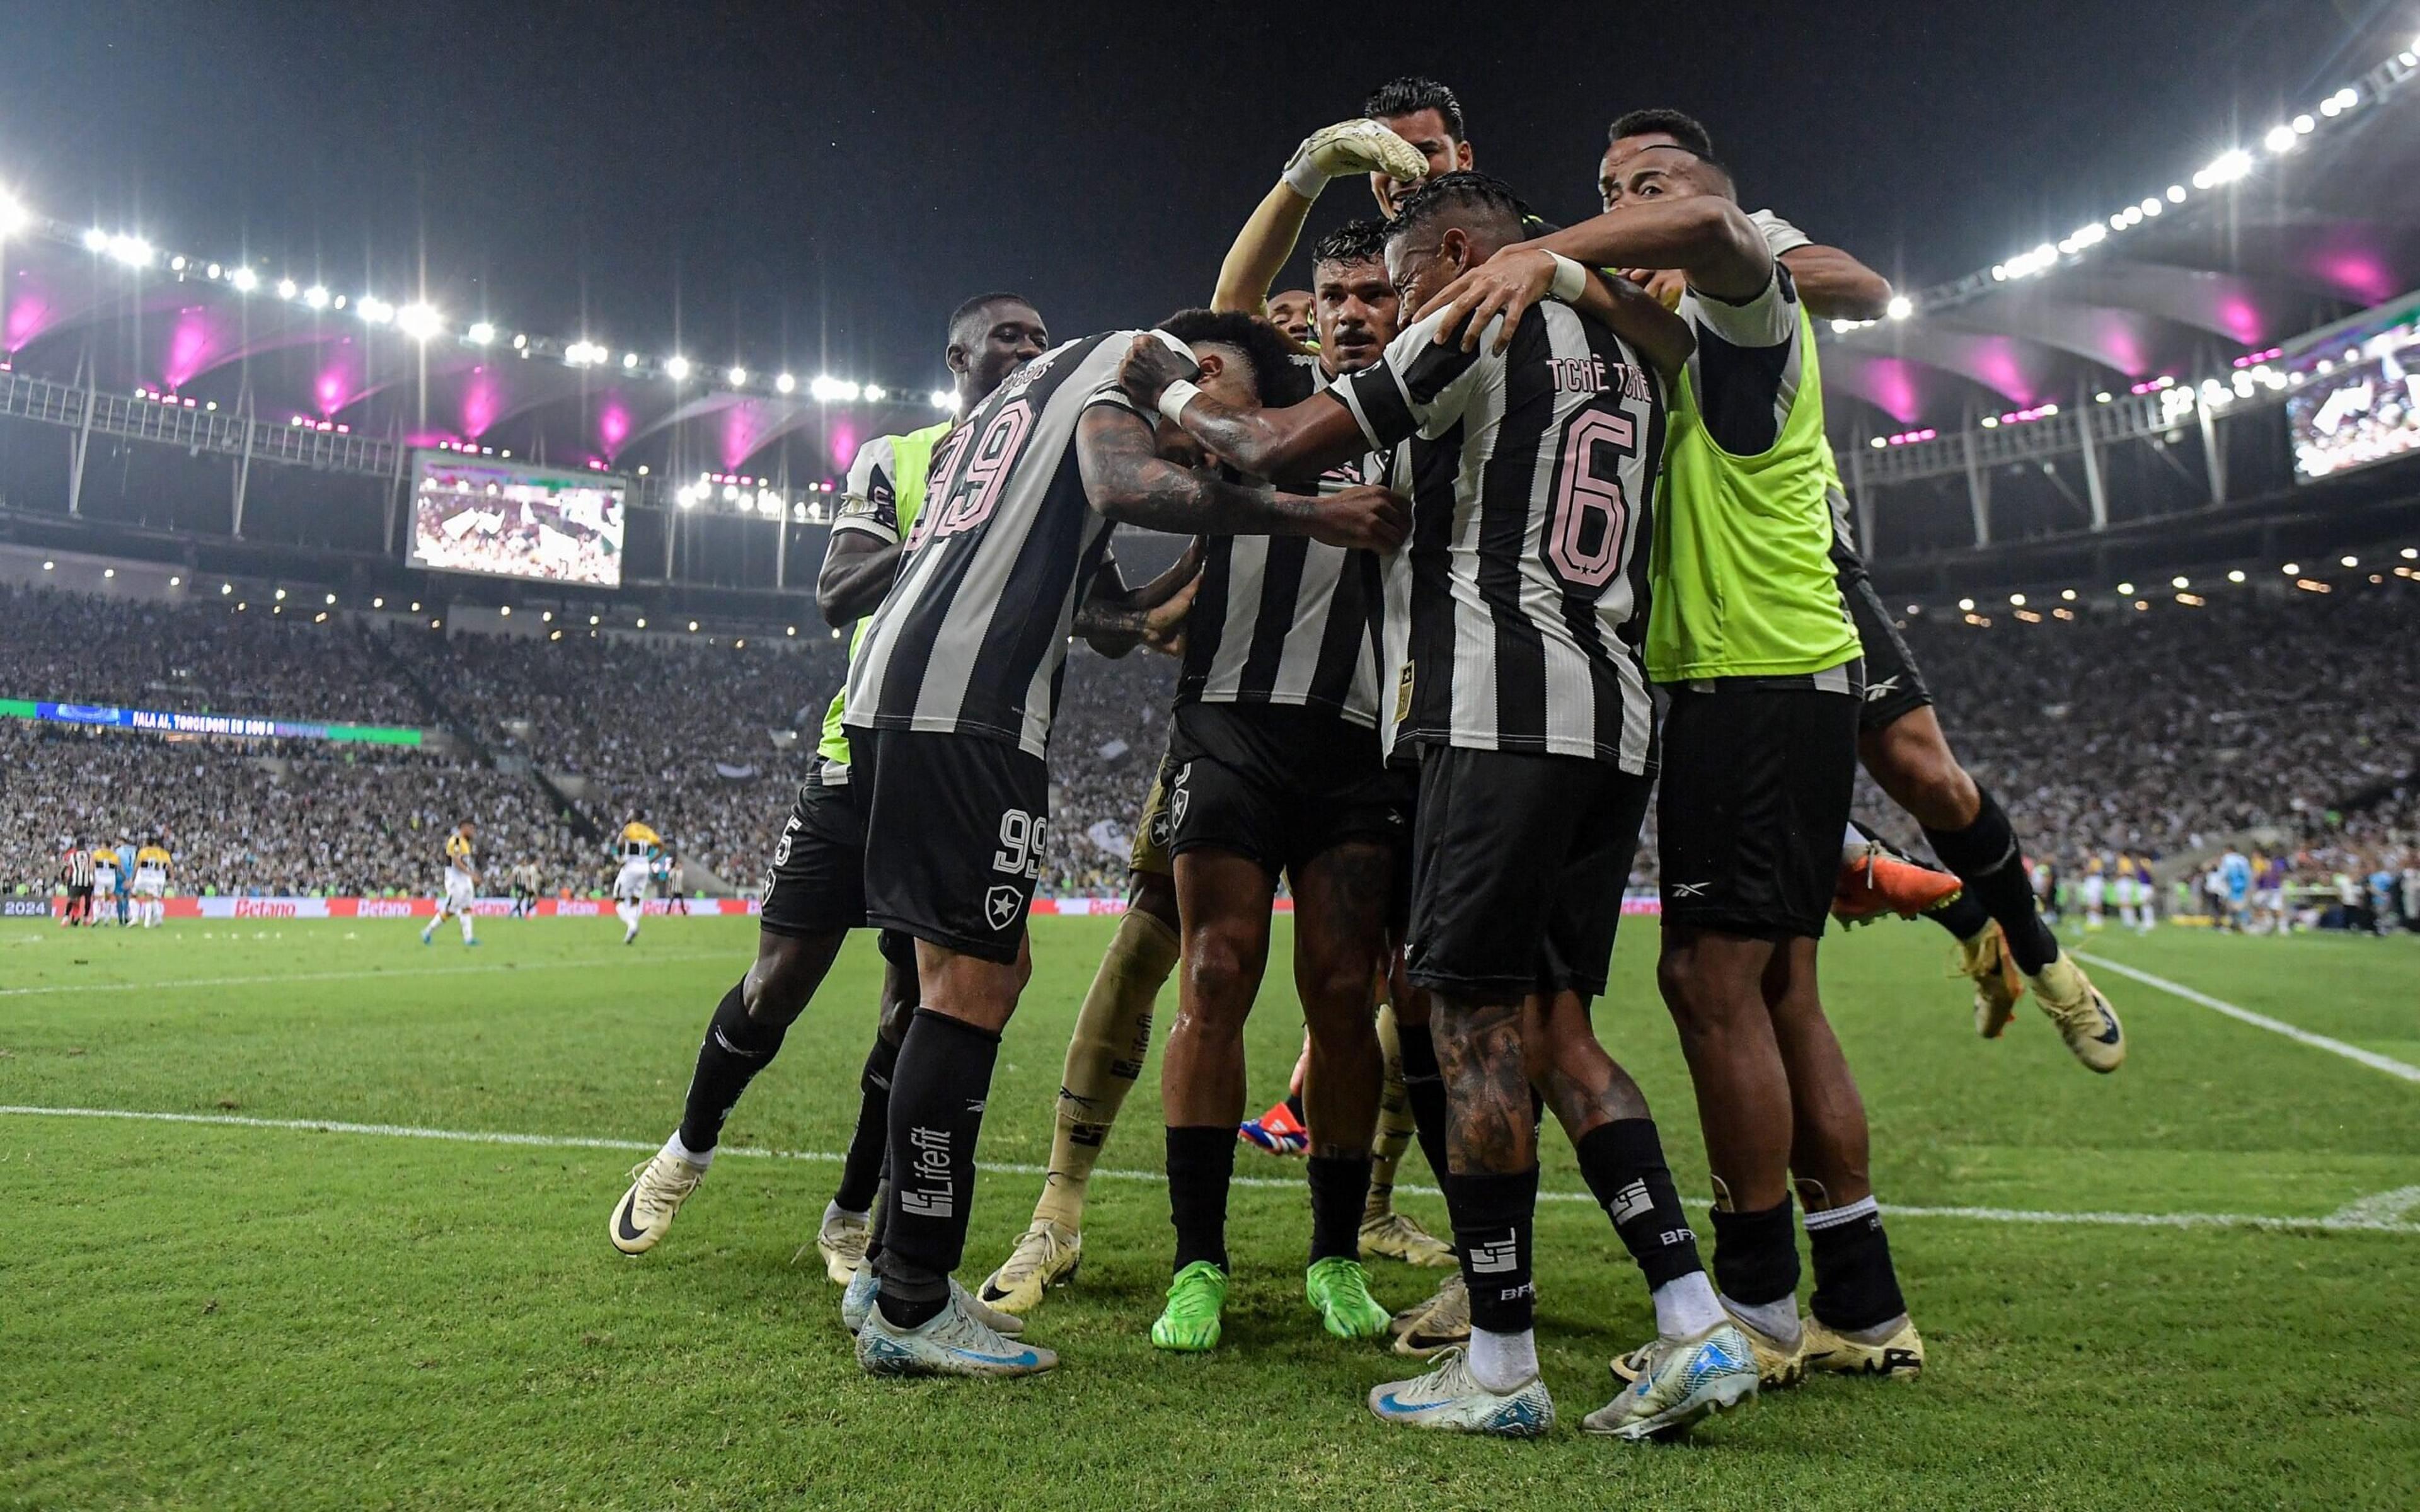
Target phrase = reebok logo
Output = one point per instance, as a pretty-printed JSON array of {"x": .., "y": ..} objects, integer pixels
[
  {"x": 1882, "y": 689},
  {"x": 1495, "y": 1259},
  {"x": 1689, "y": 889}
]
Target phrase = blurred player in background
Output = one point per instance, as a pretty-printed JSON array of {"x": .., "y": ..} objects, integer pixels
[
  {"x": 525, "y": 890},
  {"x": 151, "y": 863},
  {"x": 462, "y": 883},
  {"x": 106, "y": 872},
  {"x": 635, "y": 848},
  {"x": 75, "y": 869},
  {"x": 1290, "y": 311}
]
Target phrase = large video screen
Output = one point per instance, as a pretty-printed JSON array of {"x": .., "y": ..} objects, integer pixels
[
  {"x": 476, "y": 514},
  {"x": 2361, "y": 414}
]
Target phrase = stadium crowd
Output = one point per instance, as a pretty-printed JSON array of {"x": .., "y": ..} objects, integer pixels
[{"x": 2159, "y": 733}]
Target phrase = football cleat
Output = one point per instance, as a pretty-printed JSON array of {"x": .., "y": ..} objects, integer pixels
[
  {"x": 1680, "y": 1382},
  {"x": 1449, "y": 1399},
  {"x": 951, "y": 1342},
  {"x": 1047, "y": 1256},
  {"x": 842, "y": 1240},
  {"x": 863, "y": 1285},
  {"x": 1190, "y": 1323},
  {"x": 1338, "y": 1288},
  {"x": 1438, "y": 1323},
  {"x": 658, "y": 1185},
  {"x": 2084, "y": 1019},
  {"x": 1985, "y": 960},
  {"x": 1278, "y": 1132},
  {"x": 1878, "y": 878},
  {"x": 1397, "y": 1236},
  {"x": 1898, "y": 1357},
  {"x": 1778, "y": 1366}
]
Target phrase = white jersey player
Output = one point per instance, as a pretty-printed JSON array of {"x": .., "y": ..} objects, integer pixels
[
  {"x": 461, "y": 884},
  {"x": 150, "y": 887},
  {"x": 637, "y": 847}
]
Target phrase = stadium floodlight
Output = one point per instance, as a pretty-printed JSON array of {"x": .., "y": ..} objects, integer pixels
[
  {"x": 2281, "y": 139},
  {"x": 876, "y": 393},
  {"x": 177, "y": 264},
  {"x": 630, "y": 362},
  {"x": 419, "y": 320},
  {"x": 2235, "y": 576},
  {"x": 331, "y": 598},
  {"x": 1967, "y": 605},
  {"x": 2176, "y": 193},
  {"x": 2181, "y": 582},
  {"x": 213, "y": 270},
  {"x": 13, "y": 216},
  {"x": 227, "y": 588},
  {"x": 244, "y": 280},
  {"x": 131, "y": 250},
  {"x": 786, "y": 383},
  {"x": 730, "y": 493},
  {"x": 2125, "y": 590},
  {"x": 286, "y": 288},
  {"x": 825, "y": 388},
  {"x": 281, "y": 596},
  {"x": 642, "y": 622},
  {"x": 692, "y": 625},
  {"x": 377, "y": 311},
  {"x": 2411, "y": 553},
  {"x": 1900, "y": 307},
  {"x": 676, "y": 368},
  {"x": 2068, "y": 595},
  {"x": 2152, "y": 205},
  {"x": 481, "y": 332},
  {"x": 2017, "y": 600},
  {"x": 942, "y": 399},
  {"x": 738, "y": 376},
  {"x": 2349, "y": 561},
  {"x": 315, "y": 297},
  {"x": 96, "y": 239}
]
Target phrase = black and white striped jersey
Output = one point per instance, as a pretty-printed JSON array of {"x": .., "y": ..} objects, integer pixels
[
  {"x": 1532, "y": 476},
  {"x": 1283, "y": 619},
  {"x": 77, "y": 867},
  {"x": 973, "y": 639}
]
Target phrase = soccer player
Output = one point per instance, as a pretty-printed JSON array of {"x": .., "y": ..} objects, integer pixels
[
  {"x": 1762, "y": 663},
  {"x": 2096, "y": 893},
  {"x": 1291, "y": 313},
  {"x": 1112, "y": 1034},
  {"x": 636, "y": 848},
  {"x": 76, "y": 871},
  {"x": 814, "y": 891},
  {"x": 151, "y": 864},
  {"x": 949, "y": 706},
  {"x": 462, "y": 883},
  {"x": 104, "y": 886},
  {"x": 1427, "y": 115},
  {"x": 1514, "y": 674}
]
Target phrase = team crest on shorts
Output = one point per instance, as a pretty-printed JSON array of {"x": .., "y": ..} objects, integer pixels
[
  {"x": 1178, "y": 798},
  {"x": 1001, "y": 906}
]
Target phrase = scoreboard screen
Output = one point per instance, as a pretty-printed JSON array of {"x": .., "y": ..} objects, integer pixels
[
  {"x": 507, "y": 519},
  {"x": 2364, "y": 409}
]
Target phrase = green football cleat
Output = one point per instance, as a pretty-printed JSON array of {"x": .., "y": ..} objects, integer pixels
[
  {"x": 1190, "y": 1323},
  {"x": 1339, "y": 1289}
]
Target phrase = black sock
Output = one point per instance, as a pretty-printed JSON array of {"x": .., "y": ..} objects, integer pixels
[
  {"x": 1623, "y": 1163},
  {"x": 1201, "y": 1163},
  {"x": 860, "y": 1170},
  {"x": 737, "y": 1047},
  {"x": 880, "y": 1218},
  {"x": 1986, "y": 857},
  {"x": 1293, "y": 1105},
  {"x": 1855, "y": 1286},
  {"x": 1339, "y": 1191},
  {"x": 1756, "y": 1254},
  {"x": 936, "y": 1101},
  {"x": 1424, "y": 1088},
  {"x": 1492, "y": 1215},
  {"x": 1964, "y": 915}
]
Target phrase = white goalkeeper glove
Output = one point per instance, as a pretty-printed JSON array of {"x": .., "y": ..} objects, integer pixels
[{"x": 1361, "y": 145}]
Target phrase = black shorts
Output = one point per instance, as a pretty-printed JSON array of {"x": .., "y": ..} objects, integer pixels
[
  {"x": 1895, "y": 685},
  {"x": 1756, "y": 780},
  {"x": 1518, "y": 865},
  {"x": 80, "y": 895},
  {"x": 954, "y": 828},
  {"x": 1278, "y": 784},
  {"x": 817, "y": 883}
]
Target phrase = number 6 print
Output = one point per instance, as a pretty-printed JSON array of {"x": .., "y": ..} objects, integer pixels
[{"x": 1586, "y": 491}]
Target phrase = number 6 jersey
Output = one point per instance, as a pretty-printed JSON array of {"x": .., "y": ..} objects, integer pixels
[
  {"x": 1516, "y": 612},
  {"x": 973, "y": 637}
]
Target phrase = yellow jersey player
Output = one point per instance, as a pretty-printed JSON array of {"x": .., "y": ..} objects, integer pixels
[
  {"x": 462, "y": 883},
  {"x": 151, "y": 863},
  {"x": 637, "y": 847}
]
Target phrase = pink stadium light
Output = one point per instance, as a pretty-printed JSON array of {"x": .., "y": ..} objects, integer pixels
[
  {"x": 613, "y": 427},
  {"x": 482, "y": 402},
  {"x": 27, "y": 318},
  {"x": 191, "y": 347}
]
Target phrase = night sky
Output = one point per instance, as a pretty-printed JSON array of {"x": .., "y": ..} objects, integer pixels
[{"x": 814, "y": 186}]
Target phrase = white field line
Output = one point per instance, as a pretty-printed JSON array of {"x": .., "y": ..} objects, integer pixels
[
  {"x": 2380, "y": 1215},
  {"x": 738, "y": 959},
  {"x": 2262, "y": 1021}
]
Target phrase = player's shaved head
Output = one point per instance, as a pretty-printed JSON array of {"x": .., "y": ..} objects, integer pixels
[{"x": 992, "y": 336}]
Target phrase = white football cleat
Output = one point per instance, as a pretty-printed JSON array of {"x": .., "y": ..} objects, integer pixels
[
  {"x": 658, "y": 1186},
  {"x": 1449, "y": 1398},
  {"x": 951, "y": 1342},
  {"x": 1680, "y": 1382},
  {"x": 841, "y": 1241},
  {"x": 863, "y": 1285}
]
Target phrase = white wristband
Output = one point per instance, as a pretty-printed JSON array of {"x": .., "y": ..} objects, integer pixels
[
  {"x": 1173, "y": 399},
  {"x": 1303, "y": 177},
  {"x": 1571, "y": 279}
]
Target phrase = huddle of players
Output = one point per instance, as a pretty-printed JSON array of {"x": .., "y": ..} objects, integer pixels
[
  {"x": 1468, "y": 783},
  {"x": 104, "y": 884}
]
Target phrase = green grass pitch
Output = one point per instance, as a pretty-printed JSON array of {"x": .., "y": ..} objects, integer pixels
[{"x": 208, "y": 1314}]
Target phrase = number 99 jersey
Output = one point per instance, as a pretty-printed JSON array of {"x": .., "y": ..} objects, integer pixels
[{"x": 1516, "y": 613}]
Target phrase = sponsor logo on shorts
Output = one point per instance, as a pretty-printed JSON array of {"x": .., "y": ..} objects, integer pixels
[
  {"x": 1882, "y": 689},
  {"x": 1690, "y": 889},
  {"x": 1179, "y": 799}
]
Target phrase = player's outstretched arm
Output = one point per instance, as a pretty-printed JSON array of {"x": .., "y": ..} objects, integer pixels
[
  {"x": 1129, "y": 481},
  {"x": 1300, "y": 441},
  {"x": 1260, "y": 248},
  {"x": 858, "y": 571},
  {"x": 1835, "y": 286}
]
